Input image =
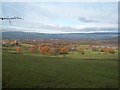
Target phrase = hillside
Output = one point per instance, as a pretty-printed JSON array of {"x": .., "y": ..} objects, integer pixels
[{"x": 69, "y": 36}]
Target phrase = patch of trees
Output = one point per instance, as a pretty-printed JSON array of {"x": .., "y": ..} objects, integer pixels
[
  {"x": 34, "y": 48},
  {"x": 64, "y": 51},
  {"x": 10, "y": 43},
  {"x": 81, "y": 50},
  {"x": 18, "y": 50},
  {"x": 108, "y": 50},
  {"x": 47, "y": 50}
]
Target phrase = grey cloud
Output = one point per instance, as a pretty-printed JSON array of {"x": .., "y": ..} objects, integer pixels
[
  {"x": 66, "y": 28},
  {"x": 72, "y": 29},
  {"x": 83, "y": 19}
]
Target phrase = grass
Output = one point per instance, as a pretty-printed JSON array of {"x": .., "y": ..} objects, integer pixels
[
  {"x": 0, "y": 68},
  {"x": 73, "y": 71},
  {"x": 93, "y": 55}
]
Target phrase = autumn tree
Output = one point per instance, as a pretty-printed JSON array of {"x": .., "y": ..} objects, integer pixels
[
  {"x": 45, "y": 50},
  {"x": 34, "y": 48},
  {"x": 102, "y": 49},
  {"x": 108, "y": 50},
  {"x": 18, "y": 50},
  {"x": 64, "y": 51},
  {"x": 112, "y": 51}
]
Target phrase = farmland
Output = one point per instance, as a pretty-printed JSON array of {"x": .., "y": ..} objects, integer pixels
[{"x": 91, "y": 69}]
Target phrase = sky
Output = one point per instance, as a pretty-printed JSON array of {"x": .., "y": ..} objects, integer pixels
[{"x": 61, "y": 17}]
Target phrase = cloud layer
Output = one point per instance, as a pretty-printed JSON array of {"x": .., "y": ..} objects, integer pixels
[{"x": 62, "y": 17}]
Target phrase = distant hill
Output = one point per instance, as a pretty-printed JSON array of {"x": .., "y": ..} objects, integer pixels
[{"x": 71, "y": 36}]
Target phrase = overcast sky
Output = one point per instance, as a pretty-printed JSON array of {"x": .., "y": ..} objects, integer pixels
[{"x": 61, "y": 17}]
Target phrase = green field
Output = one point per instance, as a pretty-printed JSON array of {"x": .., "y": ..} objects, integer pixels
[{"x": 91, "y": 70}]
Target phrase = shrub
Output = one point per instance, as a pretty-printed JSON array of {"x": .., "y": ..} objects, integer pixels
[
  {"x": 45, "y": 50},
  {"x": 18, "y": 50},
  {"x": 108, "y": 50},
  {"x": 81, "y": 51},
  {"x": 34, "y": 48}
]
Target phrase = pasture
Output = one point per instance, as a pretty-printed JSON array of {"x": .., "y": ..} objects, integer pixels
[{"x": 32, "y": 70}]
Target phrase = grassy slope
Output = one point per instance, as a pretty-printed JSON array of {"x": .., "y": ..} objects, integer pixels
[{"x": 36, "y": 71}]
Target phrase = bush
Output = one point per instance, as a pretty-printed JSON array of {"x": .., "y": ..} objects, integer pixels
[
  {"x": 81, "y": 51},
  {"x": 34, "y": 48},
  {"x": 18, "y": 50},
  {"x": 108, "y": 50}
]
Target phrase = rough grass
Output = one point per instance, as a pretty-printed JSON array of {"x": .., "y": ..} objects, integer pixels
[
  {"x": 93, "y": 55},
  {"x": 30, "y": 71}
]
